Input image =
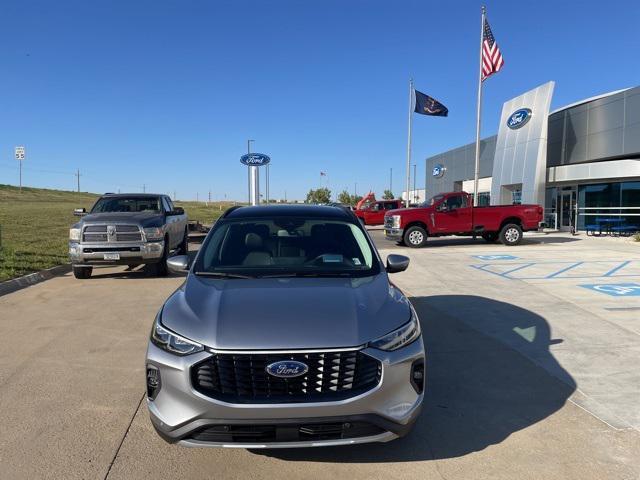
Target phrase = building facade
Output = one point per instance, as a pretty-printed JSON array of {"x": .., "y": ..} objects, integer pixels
[{"x": 582, "y": 162}]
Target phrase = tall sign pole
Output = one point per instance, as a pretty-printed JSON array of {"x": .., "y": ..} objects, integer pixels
[
  {"x": 478, "y": 115},
  {"x": 409, "y": 141},
  {"x": 254, "y": 161},
  {"x": 249, "y": 172},
  {"x": 20, "y": 156}
]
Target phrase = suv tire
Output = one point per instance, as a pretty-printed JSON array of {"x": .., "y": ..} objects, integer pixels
[
  {"x": 82, "y": 273},
  {"x": 511, "y": 234},
  {"x": 415, "y": 237}
]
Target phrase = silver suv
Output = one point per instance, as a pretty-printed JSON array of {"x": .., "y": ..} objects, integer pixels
[{"x": 285, "y": 333}]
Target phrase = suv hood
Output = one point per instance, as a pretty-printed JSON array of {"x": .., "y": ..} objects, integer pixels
[
  {"x": 120, "y": 217},
  {"x": 285, "y": 313}
]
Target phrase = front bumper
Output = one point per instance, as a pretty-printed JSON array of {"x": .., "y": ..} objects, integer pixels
[
  {"x": 134, "y": 252},
  {"x": 393, "y": 234},
  {"x": 178, "y": 412}
]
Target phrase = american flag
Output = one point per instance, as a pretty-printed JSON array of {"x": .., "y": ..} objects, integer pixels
[{"x": 492, "y": 60}]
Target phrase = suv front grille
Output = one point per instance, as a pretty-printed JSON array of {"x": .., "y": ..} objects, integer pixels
[
  {"x": 285, "y": 432},
  {"x": 123, "y": 233},
  {"x": 242, "y": 378}
]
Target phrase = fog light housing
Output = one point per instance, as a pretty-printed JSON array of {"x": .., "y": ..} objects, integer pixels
[
  {"x": 417, "y": 376},
  {"x": 153, "y": 382}
]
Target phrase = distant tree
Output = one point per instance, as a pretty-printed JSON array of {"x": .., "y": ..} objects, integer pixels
[
  {"x": 321, "y": 195},
  {"x": 388, "y": 195},
  {"x": 344, "y": 197}
]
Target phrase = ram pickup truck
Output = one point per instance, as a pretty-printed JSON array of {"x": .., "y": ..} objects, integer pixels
[
  {"x": 454, "y": 214},
  {"x": 373, "y": 213},
  {"x": 127, "y": 229}
]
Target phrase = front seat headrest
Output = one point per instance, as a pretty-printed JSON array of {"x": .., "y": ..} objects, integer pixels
[{"x": 253, "y": 241}]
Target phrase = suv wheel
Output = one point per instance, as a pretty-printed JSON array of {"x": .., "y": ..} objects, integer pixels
[
  {"x": 82, "y": 273},
  {"x": 415, "y": 237},
  {"x": 511, "y": 234}
]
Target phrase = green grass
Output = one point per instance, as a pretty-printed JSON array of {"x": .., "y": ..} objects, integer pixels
[{"x": 34, "y": 226}]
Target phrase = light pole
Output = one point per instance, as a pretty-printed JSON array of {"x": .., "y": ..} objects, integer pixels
[
  {"x": 414, "y": 183},
  {"x": 251, "y": 172},
  {"x": 391, "y": 179}
]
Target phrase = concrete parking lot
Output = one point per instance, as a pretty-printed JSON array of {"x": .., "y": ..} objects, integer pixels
[{"x": 533, "y": 356}]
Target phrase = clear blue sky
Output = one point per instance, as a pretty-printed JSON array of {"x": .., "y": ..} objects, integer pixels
[{"x": 166, "y": 93}]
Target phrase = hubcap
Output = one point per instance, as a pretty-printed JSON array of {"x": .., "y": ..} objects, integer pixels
[
  {"x": 416, "y": 238},
  {"x": 512, "y": 235}
]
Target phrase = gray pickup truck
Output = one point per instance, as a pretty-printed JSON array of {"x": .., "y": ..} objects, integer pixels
[{"x": 128, "y": 229}]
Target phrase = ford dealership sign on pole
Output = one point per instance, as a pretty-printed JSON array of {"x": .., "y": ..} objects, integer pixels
[
  {"x": 519, "y": 118},
  {"x": 253, "y": 161}
]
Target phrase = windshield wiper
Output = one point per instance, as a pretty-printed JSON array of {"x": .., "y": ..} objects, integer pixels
[
  {"x": 307, "y": 274},
  {"x": 222, "y": 275}
]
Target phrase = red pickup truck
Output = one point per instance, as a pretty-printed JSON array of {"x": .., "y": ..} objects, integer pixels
[
  {"x": 373, "y": 213},
  {"x": 453, "y": 214}
]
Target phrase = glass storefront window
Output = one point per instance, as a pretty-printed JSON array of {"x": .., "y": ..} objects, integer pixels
[{"x": 609, "y": 204}]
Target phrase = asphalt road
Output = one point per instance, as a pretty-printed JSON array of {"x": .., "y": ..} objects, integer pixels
[{"x": 527, "y": 378}]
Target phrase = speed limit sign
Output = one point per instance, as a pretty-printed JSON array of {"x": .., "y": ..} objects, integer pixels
[{"x": 20, "y": 153}]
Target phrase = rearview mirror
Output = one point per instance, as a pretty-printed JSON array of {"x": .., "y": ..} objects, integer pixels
[
  {"x": 178, "y": 264},
  {"x": 79, "y": 212},
  {"x": 397, "y": 263}
]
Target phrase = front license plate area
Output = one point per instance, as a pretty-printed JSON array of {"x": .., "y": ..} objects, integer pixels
[{"x": 111, "y": 256}]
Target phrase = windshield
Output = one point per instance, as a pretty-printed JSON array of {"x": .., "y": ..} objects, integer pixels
[
  {"x": 287, "y": 247},
  {"x": 433, "y": 200},
  {"x": 127, "y": 204}
]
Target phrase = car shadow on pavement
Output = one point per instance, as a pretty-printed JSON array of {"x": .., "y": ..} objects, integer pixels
[
  {"x": 140, "y": 271},
  {"x": 480, "y": 390}
]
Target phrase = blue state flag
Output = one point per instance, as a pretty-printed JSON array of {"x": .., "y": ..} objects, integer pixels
[{"x": 426, "y": 105}]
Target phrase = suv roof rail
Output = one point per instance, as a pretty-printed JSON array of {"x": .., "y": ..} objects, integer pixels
[{"x": 229, "y": 210}]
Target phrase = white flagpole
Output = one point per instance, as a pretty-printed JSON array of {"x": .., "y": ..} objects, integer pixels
[
  {"x": 411, "y": 95},
  {"x": 479, "y": 114}
]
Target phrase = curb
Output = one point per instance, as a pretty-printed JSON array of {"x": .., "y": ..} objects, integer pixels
[{"x": 25, "y": 281}]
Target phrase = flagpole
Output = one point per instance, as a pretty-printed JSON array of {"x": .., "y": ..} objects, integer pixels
[
  {"x": 409, "y": 140},
  {"x": 478, "y": 115}
]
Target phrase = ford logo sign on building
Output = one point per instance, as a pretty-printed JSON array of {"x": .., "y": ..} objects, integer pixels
[
  {"x": 255, "y": 159},
  {"x": 287, "y": 369},
  {"x": 438, "y": 170},
  {"x": 519, "y": 118}
]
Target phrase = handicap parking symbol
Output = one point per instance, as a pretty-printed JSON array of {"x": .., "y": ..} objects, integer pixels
[
  {"x": 617, "y": 289},
  {"x": 495, "y": 257}
]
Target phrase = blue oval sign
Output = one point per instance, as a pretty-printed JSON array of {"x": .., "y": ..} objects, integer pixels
[
  {"x": 255, "y": 159},
  {"x": 519, "y": 118},
  {"x": 438, "y": 170},
  {"x": 287, "y": 369}
]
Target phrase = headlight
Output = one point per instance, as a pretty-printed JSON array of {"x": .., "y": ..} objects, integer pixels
[
  {"x": 171, "y": 342},
  {"x": 395, "y": 221},
  {"x": 154, "y": 233},
  {"x": 74, "y": 234},
  {"x": 401, "y": 337}
]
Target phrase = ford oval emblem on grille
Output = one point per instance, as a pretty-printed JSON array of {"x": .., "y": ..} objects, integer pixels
[{"x": 287, "y": 369}]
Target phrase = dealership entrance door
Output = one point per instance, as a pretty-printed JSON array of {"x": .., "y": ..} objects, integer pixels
[{"x": 567, "y": 198}]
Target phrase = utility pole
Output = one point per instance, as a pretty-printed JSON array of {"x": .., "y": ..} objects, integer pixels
[
  {"x": 197, "y": 199},
  {"x": 209, "y": 198},
  {"x": 174, "y": 195},
  {"x": 78, "y": 178},
  {"x": 355, "y": 189},
  {"x": 391, "y": 179},
  {"x": 144, "y": 188}
]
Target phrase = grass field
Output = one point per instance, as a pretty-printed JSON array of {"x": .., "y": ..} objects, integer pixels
[{"x": 34, "y": 226}]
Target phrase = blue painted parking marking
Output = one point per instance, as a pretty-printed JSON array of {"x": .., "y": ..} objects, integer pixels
[
  {"x": 550, "y": 270},
  {"x": 616, "y": 289},
  {"x": 495, "y": 257}
]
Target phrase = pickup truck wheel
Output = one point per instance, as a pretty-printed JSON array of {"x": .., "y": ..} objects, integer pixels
[
  {"x": 82, "y": 273},
  {"x": 511, "y": 234},
  {"x": 415, "y": 237},
  {"x": 491, "y": 237},
  {"x": 160, "y": 269},
  {"x": 184, "y": 245}
]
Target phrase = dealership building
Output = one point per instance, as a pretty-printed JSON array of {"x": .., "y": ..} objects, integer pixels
[{"x": 580, "y": 161}]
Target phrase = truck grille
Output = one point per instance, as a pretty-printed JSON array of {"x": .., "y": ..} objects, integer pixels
[
  {"x": 242, "y": 378},
  {"x": 123, "y": 233},
  {"x": 388, "y": 222}
]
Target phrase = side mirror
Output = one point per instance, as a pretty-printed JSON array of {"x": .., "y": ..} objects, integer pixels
[
  {"x": 176, "y": 211},
  {"x": 397, "y": 263},
  {"x": 79, "y": 212},
  {"x": 178, "y": 264},
  {"x": 443, "y": 207}
]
